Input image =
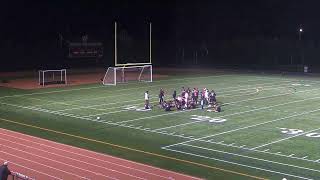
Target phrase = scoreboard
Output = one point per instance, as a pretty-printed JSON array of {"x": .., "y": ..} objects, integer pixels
[{"x": 85, "y": 50}]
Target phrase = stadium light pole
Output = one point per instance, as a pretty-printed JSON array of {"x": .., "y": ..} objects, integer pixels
[{"x": 300, "y": 31}]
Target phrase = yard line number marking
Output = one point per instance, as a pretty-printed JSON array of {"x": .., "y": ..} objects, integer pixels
[
  {"x": 299, "y": 131},
  {"x": 207, "y": 118}
]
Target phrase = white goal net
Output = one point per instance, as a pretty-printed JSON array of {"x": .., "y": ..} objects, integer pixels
[
  {"x": 47, "y": 77},
  {"x": 116, "y": 75}
]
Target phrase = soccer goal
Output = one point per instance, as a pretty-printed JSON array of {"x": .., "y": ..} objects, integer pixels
[
  {"x": 125, "y": 74},
  {"x": 47, "y": 77}
]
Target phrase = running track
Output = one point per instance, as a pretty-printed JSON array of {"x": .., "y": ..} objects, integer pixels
[{"x": 43, "y": 159}]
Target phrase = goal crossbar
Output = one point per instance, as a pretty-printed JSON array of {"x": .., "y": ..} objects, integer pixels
[{"x": 116, "y": 75}]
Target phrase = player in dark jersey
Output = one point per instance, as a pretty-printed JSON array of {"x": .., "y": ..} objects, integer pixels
[
  {"x": 202, "y": 99},
  {"x": 167, "y": 105},
  {"x": 161, "y": 96},
  {"x": 174, "y": 95}
]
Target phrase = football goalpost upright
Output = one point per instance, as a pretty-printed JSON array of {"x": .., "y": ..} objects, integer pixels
[
  {"x": 132, "y": 55},
  {"x": 52, "y": 76}
]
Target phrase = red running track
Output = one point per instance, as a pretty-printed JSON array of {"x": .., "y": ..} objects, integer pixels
[{"x": 43, "y": 159}]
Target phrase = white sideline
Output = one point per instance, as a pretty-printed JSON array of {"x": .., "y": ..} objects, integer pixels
[
  {"x": 130, "y": 127},
  {"x": 283, "y": 139},
  {"x": 148, "y": 117},
  {"x": 44, "y": 165},
  {"x": 12, "y": 162},
  {"x": 96, "y": 159},
  {"x": 238, "y": 164}
]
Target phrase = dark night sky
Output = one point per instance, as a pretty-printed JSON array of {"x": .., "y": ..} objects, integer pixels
[
  {"x": 228, "y": 17},
  {"x": 29, "y": 24}
]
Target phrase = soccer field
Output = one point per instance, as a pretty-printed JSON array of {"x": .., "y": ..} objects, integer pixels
[{"x": 269, "y": 127}]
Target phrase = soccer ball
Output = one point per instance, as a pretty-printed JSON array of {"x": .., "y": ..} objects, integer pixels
[
  {"x": 284, "y": 178},
  {"x": 98, "y": 117}
]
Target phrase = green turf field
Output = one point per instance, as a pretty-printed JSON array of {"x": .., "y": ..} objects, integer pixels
[{"x": 269, "y": 127}]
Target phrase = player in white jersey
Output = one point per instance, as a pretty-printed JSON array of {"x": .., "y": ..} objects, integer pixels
[
  {"x": 186, "y": 97},
  {"x": 206, "y": 95},
  {"x": 146, "y": 99}
]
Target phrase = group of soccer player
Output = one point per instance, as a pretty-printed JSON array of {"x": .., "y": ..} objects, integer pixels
[{"x": 190, "y": 99}]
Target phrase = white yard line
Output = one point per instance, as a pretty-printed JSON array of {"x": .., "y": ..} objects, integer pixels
[
  {"x": 243, "y": 112},
  {"x": 188, "y": 110},
  {"x": 58, "y": 102},
  {"x": 149, "y": 130},
  {"x": 280, "y": 140},
  {"x": 246, "y": 127},
  {"x": 126, "y": 94},
  {"x": 266, "y": 151},
  {"x": 238, "y": 164},
  {"x": 257, "y": 159},
  {"x": 148, "y": 117},
  {"x": 139, "y": 104}
]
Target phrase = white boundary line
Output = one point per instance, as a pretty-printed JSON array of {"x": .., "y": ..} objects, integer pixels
[
  {"x": 238, "y": 164},
  {"x": 137, "y": 119},
  {"x": 169, "y": 134},
  {"x": 116, "y": 124}
]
